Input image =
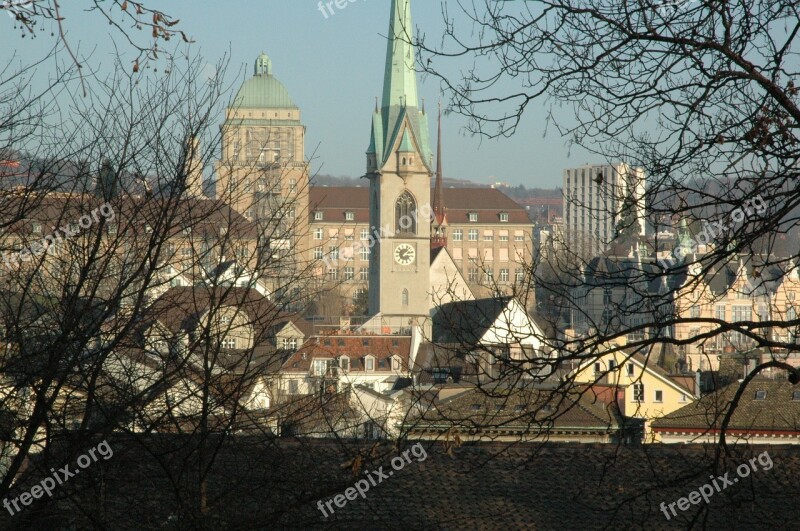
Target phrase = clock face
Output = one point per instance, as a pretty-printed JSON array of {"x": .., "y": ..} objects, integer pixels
[{"x": 404, "y": 254}]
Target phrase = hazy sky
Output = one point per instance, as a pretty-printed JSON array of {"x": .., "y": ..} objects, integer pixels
[{"x": 333, "y": 69}]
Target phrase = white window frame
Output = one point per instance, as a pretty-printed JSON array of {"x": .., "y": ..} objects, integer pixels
[{"x": 638, "y": 392}]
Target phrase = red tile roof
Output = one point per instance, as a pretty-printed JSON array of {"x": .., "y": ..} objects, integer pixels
[
  {"x": 355, "y": 347},
  {"x": 488, "y": 203}
]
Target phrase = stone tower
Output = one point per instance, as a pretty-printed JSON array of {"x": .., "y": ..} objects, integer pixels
[{"x": 399, "y": 169}]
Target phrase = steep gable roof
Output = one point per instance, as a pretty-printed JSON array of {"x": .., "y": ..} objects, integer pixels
[{"x": 467, "y": 322}]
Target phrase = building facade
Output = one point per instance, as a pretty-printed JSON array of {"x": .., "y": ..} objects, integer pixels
[{"x": 597, "y": 199}]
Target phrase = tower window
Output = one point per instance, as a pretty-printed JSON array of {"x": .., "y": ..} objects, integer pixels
[
  {"x": 406, "y": 214},
  {"x": 405, "y": 298}
]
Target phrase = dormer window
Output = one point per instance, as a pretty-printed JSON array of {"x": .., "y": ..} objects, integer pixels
[
  {"x": 344, "y": 363},
  {"x": 318, "y": 216},
  {"x": 36, "y": 227},
  {"x": 396, "y": 363},
  {"x": 473, "y": 217},
  {"x": 503, "y": 217},
  {"x": 349, "y": 216},
  {"x": 369, "y": 363},
  {"x": 761, "y": 395}
]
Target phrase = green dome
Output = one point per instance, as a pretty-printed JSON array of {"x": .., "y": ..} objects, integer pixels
[{"x": 263, "y": 90}]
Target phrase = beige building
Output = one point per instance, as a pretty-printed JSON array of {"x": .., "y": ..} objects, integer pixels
[
  {"x": 263, "y": 172},
  {"x": 492, "y": 253},
  {"x": 641, "y": 388},
  {"x": 490, "y": 238},
  {"x": 736, "y": 292}
]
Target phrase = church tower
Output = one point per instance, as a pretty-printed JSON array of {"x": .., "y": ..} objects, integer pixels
[
  {"x": 439, "y": 218},
  {"x": 399, "y": 169}
]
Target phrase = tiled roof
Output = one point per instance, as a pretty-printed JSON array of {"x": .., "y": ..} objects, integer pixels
[
  {"x": 334, "y": 201},
  {"x": 778, "y": 411},
  {"x": 264, "y": 483},
  {"x": 521, "y": 409},
  {"x": 180, "y": 308},
  {"x": 356, "y": 347},
  {"x": 488, "y": 203},
  {"x": 203, "y": 217}
]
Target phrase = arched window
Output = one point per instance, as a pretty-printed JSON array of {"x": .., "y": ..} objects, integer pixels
[
  {"x": 406, "y": 214},
  {"x": 405, "y": 298}
]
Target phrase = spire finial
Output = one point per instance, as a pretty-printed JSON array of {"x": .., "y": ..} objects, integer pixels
[
  {"x": 400, "y": 76},
  {"x": 439, "y": 212}
]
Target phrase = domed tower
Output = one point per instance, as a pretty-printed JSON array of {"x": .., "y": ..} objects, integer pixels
[{"x": 263, "y": 172}]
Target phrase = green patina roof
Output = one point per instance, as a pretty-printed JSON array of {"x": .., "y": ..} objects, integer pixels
[
  {"x": 399, "y": 112},
  {"x": 400, "y": 78},
  {"x": 406, "y": 144},
  {"x": 263, "y": 90}
]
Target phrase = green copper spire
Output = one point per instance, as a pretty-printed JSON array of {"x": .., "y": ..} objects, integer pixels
[
  {"x": 400, "y": 78},
  {"x": 399, "y": 113}
]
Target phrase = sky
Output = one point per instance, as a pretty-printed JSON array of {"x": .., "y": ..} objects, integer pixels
[{"x": 333, "y": 69}]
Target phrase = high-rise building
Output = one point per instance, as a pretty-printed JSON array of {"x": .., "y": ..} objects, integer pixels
[{"x": 599, "y": 201}]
